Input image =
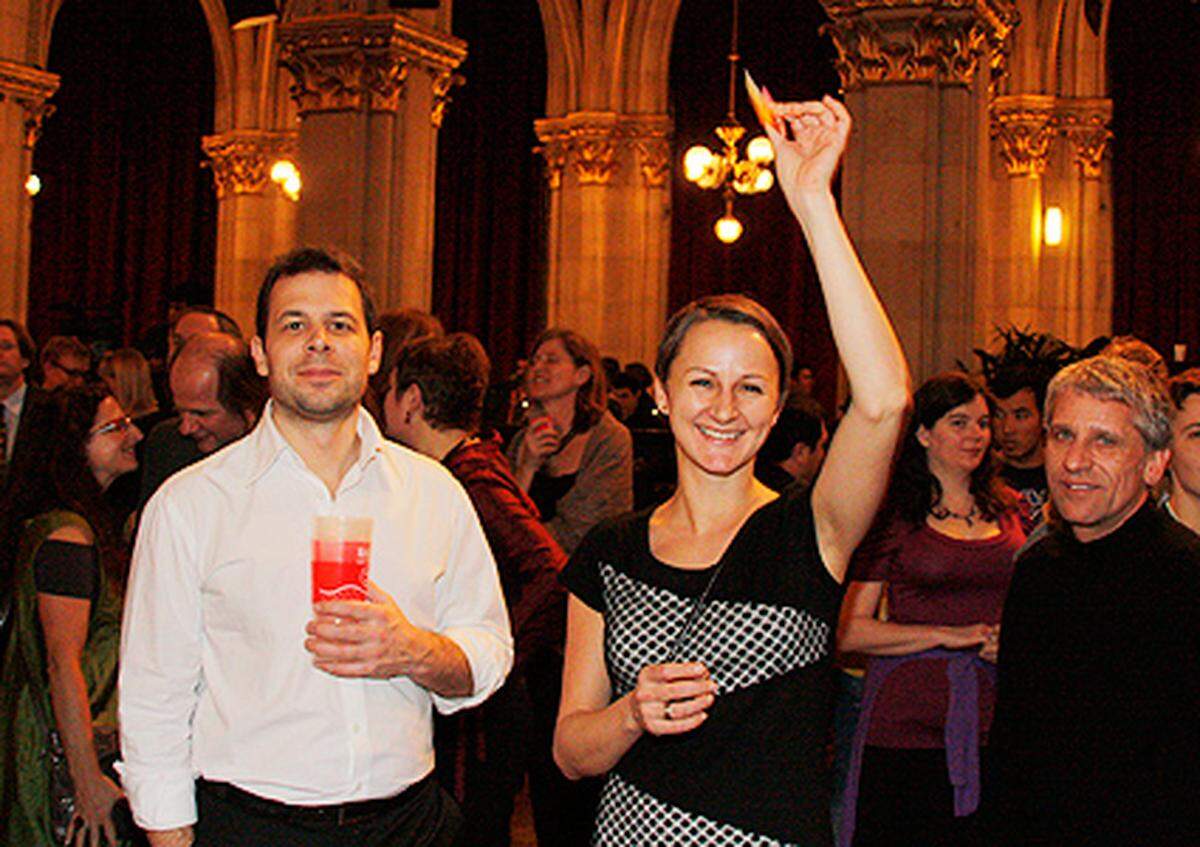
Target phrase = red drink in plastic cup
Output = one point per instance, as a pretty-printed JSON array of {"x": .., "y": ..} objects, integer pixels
[{"x": 341, "y": 558}]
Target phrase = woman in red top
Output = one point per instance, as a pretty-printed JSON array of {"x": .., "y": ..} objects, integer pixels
[{"x": 942, "y": 554}]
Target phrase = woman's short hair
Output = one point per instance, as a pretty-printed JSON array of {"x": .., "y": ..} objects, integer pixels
[
  {"x": 592, "y": 398},
  {"x": 915, "y": 489},
  {"x": 128, "y": 375},
  {"x": 734, "y": 309},
  {"x": 1119, "y": 380},
  {"x": 452, "y": 372},
  {"x": 400, "y": 328}
]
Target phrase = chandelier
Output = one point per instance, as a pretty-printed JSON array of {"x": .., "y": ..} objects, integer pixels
[{"x": 726, "y": 170}]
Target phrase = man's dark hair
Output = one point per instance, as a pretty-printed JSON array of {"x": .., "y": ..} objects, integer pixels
[
  {"x": 304, "y": 260},
  {"x": 1184, "y": 385},
  {"x": 641, "y": 373},
  {"x": 799, "y": 423},
  {"x": 452, "y": 373},
  {"x": 1026, "y": 360},
  {"x": 627, "y": 381},
  {"x": 225, "y": 323},
  {"x": 25, "y": 345},
  {"x": 60, "y": 346},
  {"x": 400, "y": 328}
]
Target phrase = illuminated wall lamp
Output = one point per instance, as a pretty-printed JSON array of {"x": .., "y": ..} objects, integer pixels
[
  {"x": 286, "y": 175},
  {"x": 1052, "y": 229},
  {"x": 33, "y": 185}
]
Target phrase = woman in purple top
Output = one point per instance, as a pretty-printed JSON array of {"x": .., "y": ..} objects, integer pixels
[{"x": 939, "y": 561}]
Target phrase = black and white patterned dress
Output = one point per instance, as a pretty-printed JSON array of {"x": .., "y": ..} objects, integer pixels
[{"x": 754, "y": 772}]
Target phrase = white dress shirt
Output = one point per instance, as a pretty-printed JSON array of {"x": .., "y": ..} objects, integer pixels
[
  {"x": 215, "y": 680},
  {"x": 11, "y": 408}
]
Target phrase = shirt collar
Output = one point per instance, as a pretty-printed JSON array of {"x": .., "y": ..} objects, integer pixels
[
  {"x": 267, "y": 445},
  {"x": 16, "y": 401}
]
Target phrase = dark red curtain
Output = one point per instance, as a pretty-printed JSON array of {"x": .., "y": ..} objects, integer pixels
[
  {"x": 1156, "y": 172},
  {"x": 126, "y": 219},
  {"x": 489, "y": 248},
  {"x": 781, "y": 45}
]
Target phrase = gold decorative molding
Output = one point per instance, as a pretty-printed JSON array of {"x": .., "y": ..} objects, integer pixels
[
  {"x": 1085, "y": 124},
  {"x": 906, "y": 41},
  {"x": 1025, "y": 126},
  {"x": 594, "y": 144},
  {"x": 30, "y": 88},
  {"x": 242, "y": 158},
  {"x": 444, "y": 81},
  {"x": 360, "y": 62}
]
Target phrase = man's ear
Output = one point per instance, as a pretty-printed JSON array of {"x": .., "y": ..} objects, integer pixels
[
  {"x": 411, "y": 401},
  {"x": 375, "y": 355},
  {"x": 259, "y": 353},
  {"x": 1155, "y": 466}
]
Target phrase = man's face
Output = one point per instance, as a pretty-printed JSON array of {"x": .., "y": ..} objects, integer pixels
[
  {"x": 1185, "y": 446},
  {"x": 1017, "y": 427},
  {"x": 1097, "y": 466},
  {"x": 318, "y": 353},
  {"x": 68, "y": 370},
  {"x": 626, "y": 401},
  {"x": 12, "y": 363},
  {"x": 193, "y": 323},
  {"x": 811, "y": 458},
  {"x": 202, "y": 418}
]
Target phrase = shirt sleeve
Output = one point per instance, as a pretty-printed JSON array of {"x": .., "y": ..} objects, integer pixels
[
  {"x": 160, "y": 676},
  {"x": 581, "y": 576},
  {"x": 66, "y": 569},
  {"x": 470, "y": 608}
]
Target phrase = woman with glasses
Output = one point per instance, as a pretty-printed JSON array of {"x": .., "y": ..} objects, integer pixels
[{"x": 58, "y": 682}]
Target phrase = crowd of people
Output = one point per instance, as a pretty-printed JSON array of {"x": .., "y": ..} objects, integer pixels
[{"x": 955, "y": 616}]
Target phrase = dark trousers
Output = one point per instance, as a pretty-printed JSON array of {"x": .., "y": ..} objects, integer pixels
[
  {"x": 421, "y": 816},
  {"x": 905, "y": 800}
]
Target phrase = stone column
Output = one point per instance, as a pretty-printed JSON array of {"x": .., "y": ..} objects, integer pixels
[
  {"x": 256, "y": 221},
  {"x": 371, "y": 89},
  {"x": 24, "y": 95},
  {"x": 916, "y": 77},
  {"x": 609, "y": 230}
]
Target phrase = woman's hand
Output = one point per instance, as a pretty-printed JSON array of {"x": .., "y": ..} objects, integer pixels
[
  {"x": 962, "y": 637},
  {"x": 990, "y": 651},
  {"x": 94, "y": 800},
  {"x": 805, "y": 163},
  {"x": 542, "y": 440},
  {"x": 673, "y": 698}
]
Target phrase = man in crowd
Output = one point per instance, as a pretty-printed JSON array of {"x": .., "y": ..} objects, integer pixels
[
  {"x": 1095, "y": 732},
  {"x": 795, "y": 449},
  {"x": 66, "y": 361},
  {"x": 218, "y": 395},
  {"x": 21, "y": 403},
  {"x": 1183, "y": 494},
  {"x": 194, "y": 320},
  {"x": 324, "y": 739}
]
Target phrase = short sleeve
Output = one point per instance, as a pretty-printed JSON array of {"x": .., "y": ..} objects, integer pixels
[
  {"x": 581, "y": 576},
  {"x": 66, "y": 569}
]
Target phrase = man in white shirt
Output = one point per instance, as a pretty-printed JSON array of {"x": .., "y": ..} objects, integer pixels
[{"x": 304, "y": 725}]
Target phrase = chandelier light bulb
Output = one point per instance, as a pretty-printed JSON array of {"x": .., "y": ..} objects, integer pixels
[
  {"x": 763, "y": 181},
  {"x": 728, "y": 228},
  {"x": 291, "y": 187},
  {"x": 696, "y": 161},
  {"x": 760, "y": 151},
  {"x": 33, "y": 185}
]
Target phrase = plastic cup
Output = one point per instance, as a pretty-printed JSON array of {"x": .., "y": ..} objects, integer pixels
[{"x": 341, "y": 558}]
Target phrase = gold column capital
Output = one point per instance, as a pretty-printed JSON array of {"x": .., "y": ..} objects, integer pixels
[
  {"x": 592, "y": 145},
  {"x": 1025, "y": 126},
  {"x": 1085, "y": 122},
  {"x": 915, "y": 41},
  {"x": 242, "y": 158},
  {"x": 360, "y": 62},
  {"x": 30, "y": 88}
]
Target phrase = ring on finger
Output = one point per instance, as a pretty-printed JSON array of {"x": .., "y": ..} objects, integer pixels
[{"x": 667, "y": 711}]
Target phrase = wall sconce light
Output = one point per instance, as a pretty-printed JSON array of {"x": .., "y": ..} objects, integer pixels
[
  {"x": 286, "y": 175},
  {"x": 33, "y": 185},
  {"x": 1052, "y": 230}
]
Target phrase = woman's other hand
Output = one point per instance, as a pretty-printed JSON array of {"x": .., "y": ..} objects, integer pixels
[
  {"x": 673, "y": 698},
  {"x": 990, "y": 651},
  {"x": 542, "y": 440},
  {"x": 963, "y": 637},
  {"x": 95, "y": 797}
]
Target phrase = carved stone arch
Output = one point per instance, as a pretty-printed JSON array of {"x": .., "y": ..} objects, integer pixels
[
  {"x": 222, "y": 44},
  {"x": 564, "y": 57},
  {"x": 1081, "y": 67},
  {"x": 650, "y": 54},
  {"x": 617, "y": 41}
]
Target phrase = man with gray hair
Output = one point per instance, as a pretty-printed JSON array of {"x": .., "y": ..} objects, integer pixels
[{"x": 1095, "y": 732}]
